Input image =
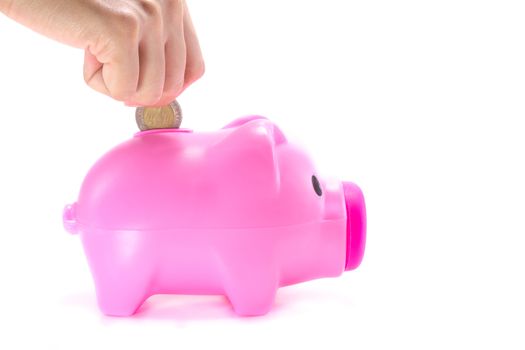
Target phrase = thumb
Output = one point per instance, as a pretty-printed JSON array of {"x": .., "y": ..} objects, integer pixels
[{"x": 93, "y": 73}]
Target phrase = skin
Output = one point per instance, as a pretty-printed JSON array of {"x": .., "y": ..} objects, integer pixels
[{"x": 141, "y": 52}]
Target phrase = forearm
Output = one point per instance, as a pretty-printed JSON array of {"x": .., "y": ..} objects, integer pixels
[
  {"x": 72, "y": 22},
  {"x": 5, "y": 6}
]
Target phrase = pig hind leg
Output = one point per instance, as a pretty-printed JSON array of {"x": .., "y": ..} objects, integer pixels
[
  {"x": 122, "y": 275},
  {"x": 121, "y": 295}
]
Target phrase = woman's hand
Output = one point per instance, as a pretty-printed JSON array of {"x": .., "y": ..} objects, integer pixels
[{"x": 142, "y": 52}]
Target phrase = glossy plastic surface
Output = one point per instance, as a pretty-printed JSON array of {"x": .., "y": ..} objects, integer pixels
[{"x": 230, "y": 212}]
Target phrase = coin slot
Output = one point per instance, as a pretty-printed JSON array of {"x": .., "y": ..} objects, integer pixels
[{"x": 158, "y": 131}]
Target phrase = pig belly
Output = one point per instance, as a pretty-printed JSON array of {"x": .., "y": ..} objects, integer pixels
[
  {"x": 246, "y": 265},
  {"x": 166, "y": 261},
  {"x": 186, "y": 264}
]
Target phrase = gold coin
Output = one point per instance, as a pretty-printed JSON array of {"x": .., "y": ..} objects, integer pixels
[{"x": 166, "y": 117}]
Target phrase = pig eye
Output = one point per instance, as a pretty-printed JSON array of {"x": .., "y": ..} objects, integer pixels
[{"x": 317, "y": 186}]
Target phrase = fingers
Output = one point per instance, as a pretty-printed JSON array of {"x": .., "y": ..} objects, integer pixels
[
  {"x": 152, "y": 67},
  {"x": 148, "y": 54},
  {"x": 175, "y": 53},
  {"x": 175, "y": 65},
  {"x": 194, "y": 61}
]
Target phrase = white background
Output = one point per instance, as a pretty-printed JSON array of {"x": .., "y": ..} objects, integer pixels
[{"x": 422, "y": 103}]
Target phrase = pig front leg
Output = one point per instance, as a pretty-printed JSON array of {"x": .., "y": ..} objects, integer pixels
[{"x": 250, "y": 280}]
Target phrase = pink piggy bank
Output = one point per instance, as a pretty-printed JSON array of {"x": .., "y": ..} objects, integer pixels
[{"x": 238, "y": 212}]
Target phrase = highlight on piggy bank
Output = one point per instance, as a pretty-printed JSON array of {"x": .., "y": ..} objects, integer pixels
[{"x": 238, "y": 212}]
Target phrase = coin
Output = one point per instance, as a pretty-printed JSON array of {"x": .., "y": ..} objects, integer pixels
[{"x": 166, "y": 117}]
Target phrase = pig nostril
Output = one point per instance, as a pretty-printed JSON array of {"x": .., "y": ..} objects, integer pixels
[{"x": 317, "y": 186}]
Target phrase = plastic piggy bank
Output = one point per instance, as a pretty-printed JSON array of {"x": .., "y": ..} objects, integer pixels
[{"x": 238, "y": 212}]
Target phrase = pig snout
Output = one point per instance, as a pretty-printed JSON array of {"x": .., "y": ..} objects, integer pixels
[{"x": 355, "y": 225}]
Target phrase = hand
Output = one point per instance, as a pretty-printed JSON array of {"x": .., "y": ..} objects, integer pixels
[{"x": 142, "y": 52}]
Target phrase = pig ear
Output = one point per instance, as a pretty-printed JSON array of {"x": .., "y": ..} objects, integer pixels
[
  {"x": 278, "y": 136},
  {"x": 243, "y": 120},
  {"x": 248, "y": 151}
]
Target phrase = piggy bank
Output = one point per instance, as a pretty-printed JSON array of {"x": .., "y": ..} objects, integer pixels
[{"x": 238, "y": 212}]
